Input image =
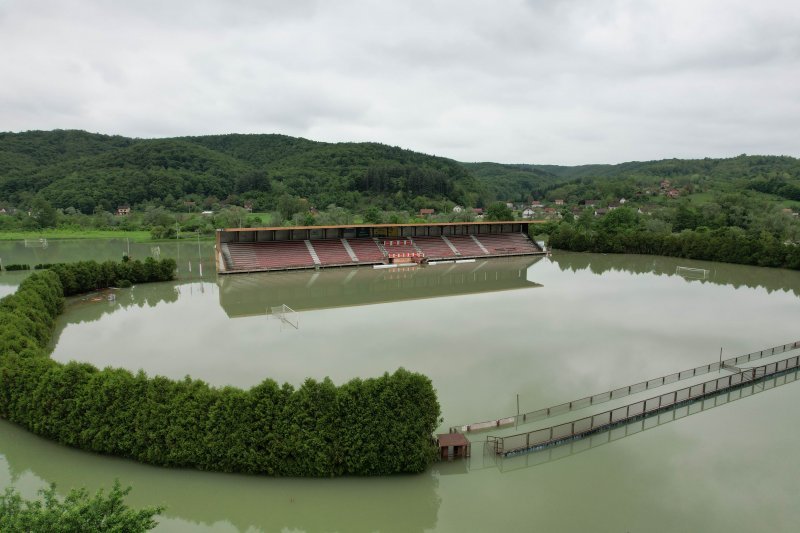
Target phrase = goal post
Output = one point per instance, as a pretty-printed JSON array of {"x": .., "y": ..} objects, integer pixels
[
  {"x": 286, "y": 315},
  {"x": 694, "y": 273}
]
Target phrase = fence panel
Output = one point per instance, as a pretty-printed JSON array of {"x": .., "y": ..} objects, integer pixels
[
  {"x": 561, "y": 431},
  {"x": 667, "y": 399},
  {"x": 539, "y": 436},
  {"x": 601, "y": 420},
  {"x": 651, "y": 403},
  {"x": 620, "y": 413},
  {"x": 653, "y": 383},
  {"x": 515, "y": 442},
  {"x": 619, "y": 393},
  {"x": 682, "y": 394},
  {"x": 601, "y": 398},
  {"x": 584, "y": 424},
  {"x": 580, "y": 404}
]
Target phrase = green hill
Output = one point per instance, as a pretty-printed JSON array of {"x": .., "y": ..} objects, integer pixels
[{"x": 86, "y": 171}]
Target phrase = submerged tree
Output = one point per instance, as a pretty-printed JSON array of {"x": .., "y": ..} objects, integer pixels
[{"x": 77, "y": 512}]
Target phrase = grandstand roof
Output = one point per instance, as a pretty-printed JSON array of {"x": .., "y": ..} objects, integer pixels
[{"x": 421, "y": 224}]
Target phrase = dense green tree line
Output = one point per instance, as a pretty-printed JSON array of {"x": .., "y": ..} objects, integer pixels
[
  {"x": 76, "y": 513},
  {"x": 622, "y": 231},
  {"x": 364, "y": 427}
]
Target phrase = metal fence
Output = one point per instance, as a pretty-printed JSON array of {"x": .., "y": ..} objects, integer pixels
[
  {"x": 601, "y": 438},
  {"x": 621, "y": 392},
  {"x": 621, "y": 415}
]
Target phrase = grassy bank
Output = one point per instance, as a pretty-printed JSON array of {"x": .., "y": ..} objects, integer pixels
[
  {"x": 136, "y": 236},
  {"x": 54, "y": 234}
]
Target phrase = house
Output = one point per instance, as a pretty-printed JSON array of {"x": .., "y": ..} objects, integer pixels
[
  {"x": 123, "y": 210},
  {"x": 248, "y": 206},
  {"x": 552, "y": 213},
  {"x": 622, "y": 201},
  {"x": 478, "y": 210},
  {"x": 600, "y": 212},
  {"x": 559, "y": 201},
  {"x": 3, "y": 211},
  {"x": 426, "y": 212},
  {"x": 665, "y": 184},
  {"x": 510, "y": 205},
  {"x": 458, "y": 209},
  {"x": 590, "y": 203},
  {"x": 527, "y": 213},
  {"x": 673, "y": 193},
  {"x": 207, "y": 213},
  {"x": 613, "y": 206},
  {"x": 536, "y": 204}
]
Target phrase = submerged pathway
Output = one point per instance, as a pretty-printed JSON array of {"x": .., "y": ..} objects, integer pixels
[
  {"x": 621, "y": 392},
  {"x": 580, "y": 428}
]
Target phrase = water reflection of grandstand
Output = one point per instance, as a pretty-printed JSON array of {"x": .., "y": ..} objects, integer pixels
[{"x": 253, "y": 294}]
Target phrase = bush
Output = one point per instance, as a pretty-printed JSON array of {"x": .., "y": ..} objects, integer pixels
[
  {"x": 365, "y": 427},
  {"x": 14, "y": 267},
  {"x": 76, "y": 513}
]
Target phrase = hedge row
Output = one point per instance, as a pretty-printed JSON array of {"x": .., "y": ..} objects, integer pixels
[
  {"x": 728, "y": 245},
  {"x": 364, "y": 427}
]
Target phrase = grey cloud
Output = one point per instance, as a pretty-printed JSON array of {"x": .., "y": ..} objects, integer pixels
[{"x": 570, "y": 81}]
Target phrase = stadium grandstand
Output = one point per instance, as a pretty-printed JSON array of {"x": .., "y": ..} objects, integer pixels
[{"x": 300, "y": 247}]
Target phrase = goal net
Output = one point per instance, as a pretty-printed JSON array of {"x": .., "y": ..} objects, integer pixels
[
  {"x": 35, "y": 243},
  {"x": 692, "y": 273},
  {"x": 286, "y": 315}
]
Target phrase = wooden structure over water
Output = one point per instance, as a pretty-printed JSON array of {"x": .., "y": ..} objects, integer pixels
[
  {"x": 453, "y": 446},
  {"x": 312, "y": 247}
]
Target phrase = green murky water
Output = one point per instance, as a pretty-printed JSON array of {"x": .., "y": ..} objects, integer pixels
[{"x": 550, "y": 330}]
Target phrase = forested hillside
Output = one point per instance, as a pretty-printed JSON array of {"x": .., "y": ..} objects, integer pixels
[
  {"x": 76, "y": 180},
  {"x": 778, "y": 175},
  {"x": 90, "y": 172}
]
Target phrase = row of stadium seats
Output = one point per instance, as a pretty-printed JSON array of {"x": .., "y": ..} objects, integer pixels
[
  {"x": 466, "y": 246},
  {"x": 267, "y": 255},
  {"x": 331, "y": 252},
  {"x": 508, "y": 244},
  {"x": 434, "y": 247},
  {"x": 295, "y": 254}
]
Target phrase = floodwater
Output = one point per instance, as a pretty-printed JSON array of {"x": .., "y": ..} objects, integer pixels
[{"x": 547, "y": 329}]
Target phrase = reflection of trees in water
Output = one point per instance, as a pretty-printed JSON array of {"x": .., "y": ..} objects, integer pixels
[
  {"x": 388, "y": 504},
  {"x": 771, "y": 279},
  {"x": 93, "y": 306},
  {"x": 150, "y": 295},
  {"x": 68, "y": 251}
]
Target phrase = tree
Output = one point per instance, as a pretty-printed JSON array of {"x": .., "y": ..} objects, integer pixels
[
  {"x": 499, "y": 211},
  {"x": 78, "y": 512},
  {"x": 43, "y": 212}
]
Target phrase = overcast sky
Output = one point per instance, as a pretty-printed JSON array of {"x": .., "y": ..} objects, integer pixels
[{"x": 563, "y": 82}]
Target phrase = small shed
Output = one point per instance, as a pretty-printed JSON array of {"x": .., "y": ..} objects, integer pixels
[{"x": 452, "y": 446}]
